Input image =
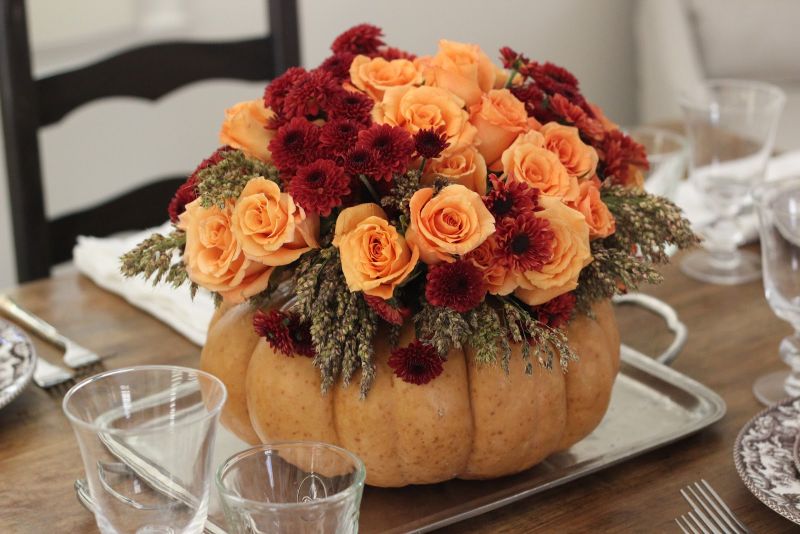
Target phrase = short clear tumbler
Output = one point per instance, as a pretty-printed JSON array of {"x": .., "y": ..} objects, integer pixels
[
  {"x": 292, "y": 487},
  {"x": 146, "y": 435}
]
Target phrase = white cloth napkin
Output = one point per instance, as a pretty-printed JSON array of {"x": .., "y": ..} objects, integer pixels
[
  {"x": 98, "y": 258},
  {"x": 691, "y": 201}
]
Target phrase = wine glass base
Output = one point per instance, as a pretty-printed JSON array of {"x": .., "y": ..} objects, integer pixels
[
  {"x": 769, "y": 389},
  {"x": 699, "y": 265}
]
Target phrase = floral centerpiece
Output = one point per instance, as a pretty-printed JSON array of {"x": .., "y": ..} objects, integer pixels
[{"x": 424, "y": 214}]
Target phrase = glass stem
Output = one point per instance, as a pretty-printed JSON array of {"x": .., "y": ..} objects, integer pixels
[
  {"x": 790, "y": 353},
  {"x": 723, "y": 241}
]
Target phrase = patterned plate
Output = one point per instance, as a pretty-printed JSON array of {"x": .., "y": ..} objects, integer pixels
[
  {"x": 764, "y": 458},
  {"x": 17, "y": 361}
]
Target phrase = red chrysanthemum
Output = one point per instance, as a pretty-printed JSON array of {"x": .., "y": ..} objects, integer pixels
[
  {"x": 557, "y": 311},
  {"x": 430, "y": 143},
  {"x": 187, "y": 191},
  {"x": 571, "y": 114},
  {"x": 418, "y": 363},
  {"x": 275, "y": 93},
  {"x": 310, "y": 96},
  {"x": 339, "y": 65},
  {"x": 618, "y": 152},
  {"x": 524, "y": 242},
  {"x": 361, "y": 161},
  {"x": 535, "y": 102},
  {"x": 509, "y": 198},
  {"x": 392, "y": 148},
  {"x": 284, "y": 332},
  {"x": 458, "y": 285},
  {"x": 295, "y": 143},
  {"x": 386, "y": 311},
  {"x": 320, "y": 186},
  {"x": 360, "y": 39},
  {"x": 554, "y": 79},
  {"x": 351, "y": 105},
  {"x": 338, "y": 136},
  {"x": 512, "y": 59},
  {"x": 390, "y": 53}
]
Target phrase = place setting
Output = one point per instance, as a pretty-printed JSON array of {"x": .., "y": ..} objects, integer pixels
[{"x": 418, "y": 292}]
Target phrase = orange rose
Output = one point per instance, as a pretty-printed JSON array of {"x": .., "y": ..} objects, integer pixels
[
  {"x": 374, "y": 76},
  {"x": 526, "y": 160},
  {"x": 453, "y": 222},
  {"x": 466, "y": 167},
  {"x": 498, "y": 279},
  {"x": 571, "y": 253},
  {"x": 270, "y": 227},
  {"x": 375, "y": 258},
  {"x": 460, "y": 68},
  {"x": 578, "y": 158},
  {"x": 499, "y": 118},
  {"x": 245, "y": 128},
  {"x": 422, "y": 108},
  {"x": 214, "y": 259},
  {"x": 600, "y": 220}
]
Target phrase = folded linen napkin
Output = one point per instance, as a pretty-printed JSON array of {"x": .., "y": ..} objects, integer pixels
[
  {"x": 98, "y": 259},
  {"x": 691, "y": 201}
]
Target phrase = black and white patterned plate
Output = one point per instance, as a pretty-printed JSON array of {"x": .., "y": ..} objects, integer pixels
[
  {"x": 17, "y": 361},
  {"x": 764, "y": 457}
]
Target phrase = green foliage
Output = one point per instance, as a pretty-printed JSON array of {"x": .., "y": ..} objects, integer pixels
[
  {"x": 224, "y": 181},
  {"x": 158, "y": 257}
]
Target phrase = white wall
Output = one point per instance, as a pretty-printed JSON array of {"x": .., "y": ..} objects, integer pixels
[{"x": 112, "y": 146}]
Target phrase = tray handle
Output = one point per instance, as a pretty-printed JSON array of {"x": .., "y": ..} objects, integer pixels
[{"x": 661, "y": 308}]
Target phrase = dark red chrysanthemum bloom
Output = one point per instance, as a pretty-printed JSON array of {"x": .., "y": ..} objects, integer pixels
[
  {"x": 576, "y": 116},
  {"x": 295, "y": 143},
  {"x": 187, "y": 191},
  {"x": 385, "y": 310},
  {"x": 430, "y": 143},
  {"x": 390, "y": 53},
  {"x": 339, "y": 65},
  {"x": 617, "y": 153},
  {"x": 536, "y": 102},
  {"x": 276, "y": 91},
  {"x": 338, "y": 136},
  {"x": 557, "y": 311},
  {"x": 320, "y": 186},
  {"x": 458, "y": 285},
  {"x": 418, "y": 363},
  {"x": 351, "y": 105},
  {"x": 360, "y": 39},
  {"x": 524, "y": 242},
  {"x": 509, "y": 198},
  {"x": 392, "y": 147},
  {"x": 512, "y": 59},
  {"x": 360, "y": 160},
  {"x": 284, "y": 332},
  {"x": 554, "y": 79},
  {"x": 311, "y": 95}
]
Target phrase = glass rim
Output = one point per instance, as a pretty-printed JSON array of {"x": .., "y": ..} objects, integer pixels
[
  {"x": 360, "y": 476},
  {"x": 210, "y": 413},
  {"x": 760, "y": 191},
  {"x": 687, "y": 99}
]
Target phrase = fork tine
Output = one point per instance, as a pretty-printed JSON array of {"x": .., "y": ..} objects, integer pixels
[
  {"x": 717, "y": 514},
  {"x": 714, "y": 498},
  {"x": 687, "y": 528},
  {"x": 698, "y": 523},
  {"x": 698, "y": 505}
]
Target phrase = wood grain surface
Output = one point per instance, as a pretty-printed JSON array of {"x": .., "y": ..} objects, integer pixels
[{"x": 733, "y": 338}]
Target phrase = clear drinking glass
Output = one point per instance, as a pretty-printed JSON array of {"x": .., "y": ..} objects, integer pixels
[
  {"x": 146, "y": 436},
  {"x": 731, "y": 128},
  {"x": 293, "y": 487},
  {"x": 666, "y": 153},
  {"x": 778, "y": 206}
]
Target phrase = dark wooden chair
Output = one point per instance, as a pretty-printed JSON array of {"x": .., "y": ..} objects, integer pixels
[{"x": 148, "y": 72}]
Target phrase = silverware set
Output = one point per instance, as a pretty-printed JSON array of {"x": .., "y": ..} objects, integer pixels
[{"x": 710, "y": 514}]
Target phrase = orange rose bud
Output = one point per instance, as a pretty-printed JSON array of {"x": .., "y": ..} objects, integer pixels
[
  {"x": 374, "y": 76},
  {"x": 571, "y": 253},
  {"x": 461, "y": 68},
  {"x": 270, "y": 227},
  {"x": 454, "y": 222},
  {"x": 466, "y": 167},
  {"x": 578, "y": 158},
  {"x": 214, "y": 259},
  {"x": 527, "y": 160},
  {"x": 245, "y": 128},
  {"x": 499, "y": 118},
  {"x": 600, "y": 220},
  {"x": 375, "y": 257}
]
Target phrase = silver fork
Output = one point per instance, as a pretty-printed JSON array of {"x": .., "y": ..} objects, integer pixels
[
  {"x": 79, "y": 359},
  {"x": 710, "y": 514}
]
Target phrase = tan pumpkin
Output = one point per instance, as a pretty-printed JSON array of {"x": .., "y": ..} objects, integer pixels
[{"x": 471, "y": 422}]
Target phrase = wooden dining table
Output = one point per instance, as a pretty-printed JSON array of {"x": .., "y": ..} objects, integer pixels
[{"x": 733, "y": 338}]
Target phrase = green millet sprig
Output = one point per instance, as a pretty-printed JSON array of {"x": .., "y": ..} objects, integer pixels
[
  {"x": 155, "y": 258},
  {"x": 224, "y": 181}
]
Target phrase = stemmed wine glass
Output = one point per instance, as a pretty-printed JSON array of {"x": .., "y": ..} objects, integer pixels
[
  {"x": 731, "y": 128},
  {"x": 778, "y": 205}
]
